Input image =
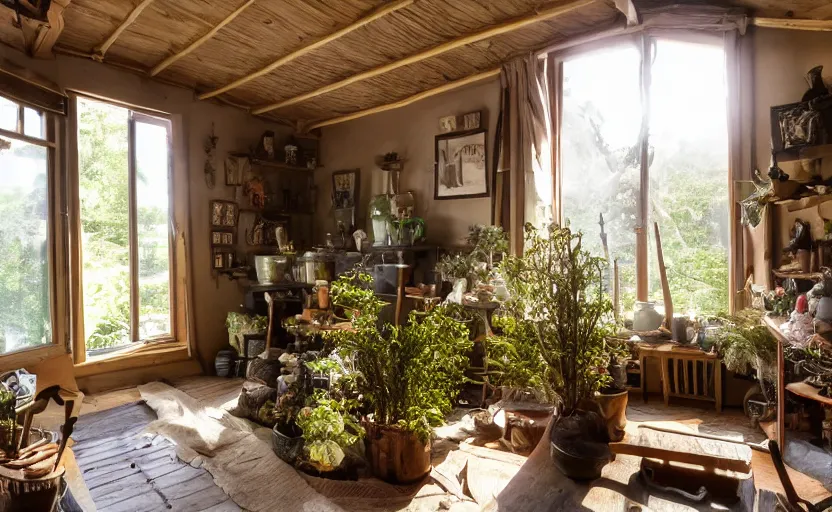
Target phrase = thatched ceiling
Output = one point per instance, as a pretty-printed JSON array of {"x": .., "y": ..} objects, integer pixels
[{"x": 270, "y": 29}]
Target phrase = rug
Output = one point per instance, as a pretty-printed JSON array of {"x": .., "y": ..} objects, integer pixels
[{"x": 126, "y": 470}]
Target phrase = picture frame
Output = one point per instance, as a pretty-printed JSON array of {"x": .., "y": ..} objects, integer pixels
[
  {"x": 461, "y": 165},
  {"x": 224, "y": 214},
  {"x": 222, "y": 238},
  {"x": 236, "y": 170},
  {"x": 345, "y": 188}
]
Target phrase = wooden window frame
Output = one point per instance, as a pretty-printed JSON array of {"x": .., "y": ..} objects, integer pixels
[
  {"x": 56, "y": 238},
  {"x": 643, "y": 42},
  {"x": 178, "y": 293}
]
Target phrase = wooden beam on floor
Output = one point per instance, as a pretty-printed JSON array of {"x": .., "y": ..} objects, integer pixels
[
  {"x": 196, "y": 44},
  {"x": 100, "y": 50},
  {"x": 794, "y": 24},
  {"x": 48, "y": 33},
  {"x": 495, "y": 30},
  {"x": 384, "y": 10},
  {"x": 407, "y": 101}
]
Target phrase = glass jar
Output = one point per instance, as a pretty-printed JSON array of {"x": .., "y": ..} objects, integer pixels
[{"x": 321, "y": 290}]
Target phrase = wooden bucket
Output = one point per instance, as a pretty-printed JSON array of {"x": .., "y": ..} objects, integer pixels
[
  {"x": 395, "y": 455},
  {"x": 20, "y": 494}
]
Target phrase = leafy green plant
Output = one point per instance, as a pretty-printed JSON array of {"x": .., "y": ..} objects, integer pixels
[
  {"x": 328, "y": 428},
  {"x": 455, "y": 266},
  {"x": 8, "y": 421},
  {"x": 514, "y": 355},
  {"x": 239, "y": 324},
  {"x": 557, "y": 297},
  {"x": 487, "y": 240},
  {"x": 409, "y": 374},
  {"x": 745, "y": 344}
]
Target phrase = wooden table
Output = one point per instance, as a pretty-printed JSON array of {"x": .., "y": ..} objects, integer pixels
[{"x": 688, "y": 358}]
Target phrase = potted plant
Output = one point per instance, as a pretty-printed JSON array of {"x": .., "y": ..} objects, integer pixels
[
  {"x": 487, "y": 241},
  {"x": 409, "y": 377},
  {"x": 556, "y": 293},
  {"x": 287, "y": 437},
  {"x": 329, "y": 429},
  {"x": 239, "y": 324}
]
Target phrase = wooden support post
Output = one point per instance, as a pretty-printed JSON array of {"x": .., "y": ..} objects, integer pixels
[
  {"x": 487, "y": 33},
  {"x": 373, "y": 16},
  {"x": 668, "y": 300},
  {"x": 100, "y": 50},
  {"x": 48, "y": 33},
  {"x": 196, "y": 44}
]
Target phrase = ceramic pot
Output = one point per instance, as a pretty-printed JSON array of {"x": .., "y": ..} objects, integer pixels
[
  {"x": 576, "y": 449},
  {"x": 379, "y": 232},
  {"x": 395, "y": 455},
  {"x": 824, "y": 309},
  {"x": 613, "y": 409},
  {"x": 645, "y": 317}
]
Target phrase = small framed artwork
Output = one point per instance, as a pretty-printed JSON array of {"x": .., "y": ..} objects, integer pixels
[
  {"x": 224, "y": 214},
  {"x": 236, "y": 170},
  {"x": 345, "y": 185},
  {"x": 471, "y": 121},
  {"x": 461, "y": 165},
  {"x": 447, "y": 124},
  {"x": 219, "y": 260},
  {"x": 222, "y": 238}
]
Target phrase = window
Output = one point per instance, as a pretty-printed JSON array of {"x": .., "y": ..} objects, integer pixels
[
  {"x": 125, "y": 209},
  {"x": 687, "y": 192},
  {"x": 25, "y": 256}
]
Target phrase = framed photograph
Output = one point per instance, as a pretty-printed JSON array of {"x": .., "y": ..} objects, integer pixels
[
  {"x": 222, "y": 238},
  {"x": 224, "y": 214},
  {"x": 447, "y": 124},
  {"x": 345, "y": 185},
  {"x": 461, "y": 169},
  {"x": 219, "y": 260},
  {"x": 471, "y": 121},
  {"x": 228, "y": 238},
  {"x": 236, "y": 170}
]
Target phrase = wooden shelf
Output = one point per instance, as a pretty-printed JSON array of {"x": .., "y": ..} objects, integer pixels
[
  {"x": 268, "y": 211},
  {"x": 806, "y": 276},
  {"x": 808, "y": 391},
  {"x": 275, "y": 164}
]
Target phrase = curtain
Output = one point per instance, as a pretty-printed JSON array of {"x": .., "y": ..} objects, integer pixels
[{"x": 524, "y": 145}]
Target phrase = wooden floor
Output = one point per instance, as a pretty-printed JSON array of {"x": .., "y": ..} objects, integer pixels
[
  {"x": 127, "y": 472},
  {"x": 217, "y": 392}
]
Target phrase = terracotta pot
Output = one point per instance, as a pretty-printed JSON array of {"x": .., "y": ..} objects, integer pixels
[
  {"x": 613, "y": 409},
  {"x": 395, "y": 455}
]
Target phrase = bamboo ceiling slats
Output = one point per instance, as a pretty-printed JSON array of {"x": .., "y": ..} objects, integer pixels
[{"x": 267, "y": 50}]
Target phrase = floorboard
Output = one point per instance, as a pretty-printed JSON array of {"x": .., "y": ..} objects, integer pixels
[{"x": 125, "y": 471}]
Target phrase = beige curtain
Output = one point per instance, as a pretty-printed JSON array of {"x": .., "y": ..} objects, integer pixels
[{"x": 523, "y": 145}]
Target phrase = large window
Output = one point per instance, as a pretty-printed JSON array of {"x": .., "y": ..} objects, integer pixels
[
  {"x": 604, "y": 124},
  {"x": 25, "y": 258},
  {"x": 123, "y": 192}
]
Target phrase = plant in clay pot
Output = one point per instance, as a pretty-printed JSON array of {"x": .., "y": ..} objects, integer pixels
[
  {"x": 328, "y": 430},
  {"x": 409, "y": 376},
  {"x": 556, "y": 295}
]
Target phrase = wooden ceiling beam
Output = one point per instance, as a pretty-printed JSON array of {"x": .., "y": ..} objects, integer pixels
[
  {"x": 48, "y": 33},
  {"x": 384, "y": 10},
  {"x": 495, "y": 30},
  {"x": 407, "y": 101},
  {"x": 794, "y": 24},
  {"x": 100, "y": 50},
  {"x": 196, "y": 44}
]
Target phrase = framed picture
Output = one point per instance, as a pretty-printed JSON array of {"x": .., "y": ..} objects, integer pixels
[
  {"x": 224, "y": 214},
  {"x": 222, "y": 238},
  {"x": 461, "y": 165},
  {"x": 345, "y": 186},
  {"x": 236, "y": 170}
]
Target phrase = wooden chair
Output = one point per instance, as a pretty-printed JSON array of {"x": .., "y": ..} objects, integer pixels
[{"x": 795, "y": 502}]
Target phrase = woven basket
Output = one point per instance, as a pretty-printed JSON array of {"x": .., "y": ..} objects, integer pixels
[{"x": 285, "y": 447}]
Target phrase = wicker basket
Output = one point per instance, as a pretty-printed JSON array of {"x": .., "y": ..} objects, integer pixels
[{"x": 285, "y": 447}]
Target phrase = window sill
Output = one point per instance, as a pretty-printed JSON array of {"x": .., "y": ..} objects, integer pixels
[
  {"x": 30, "y": 356},
  {"x": 145, "y": 354}
]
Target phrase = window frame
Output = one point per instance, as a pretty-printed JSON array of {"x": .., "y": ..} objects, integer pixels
[
  {"x": 644, "y": 42},
  {"x": 176, "y": 259},
  {"x": 56, "y": 265}
]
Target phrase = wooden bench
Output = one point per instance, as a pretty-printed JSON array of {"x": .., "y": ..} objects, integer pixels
[{"x": 696, "y": 374}]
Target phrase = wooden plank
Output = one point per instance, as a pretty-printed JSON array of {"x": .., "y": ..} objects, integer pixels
[
  {"x": 199, "y": 42},
  {"x": 407, "y": 101},
  {"x": 686, "y": 449},
  {"x": 793, "y": 24},
  {"x": 718, "y": 385},
  {"x": 675, "y": 363},
  {"x": 207, "y": 499},
  {"x": 696, "y": 377},
  {"x": 492, "y": 31},
  {"x": 665, "y": 381},
  {"x": 383, "y": 10},
  {"x": 100, "y": 50},
  {"x": 138, "y": 375},
  {"x": 668, "y": 300},
  {"x": 685, "y": 375}
]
